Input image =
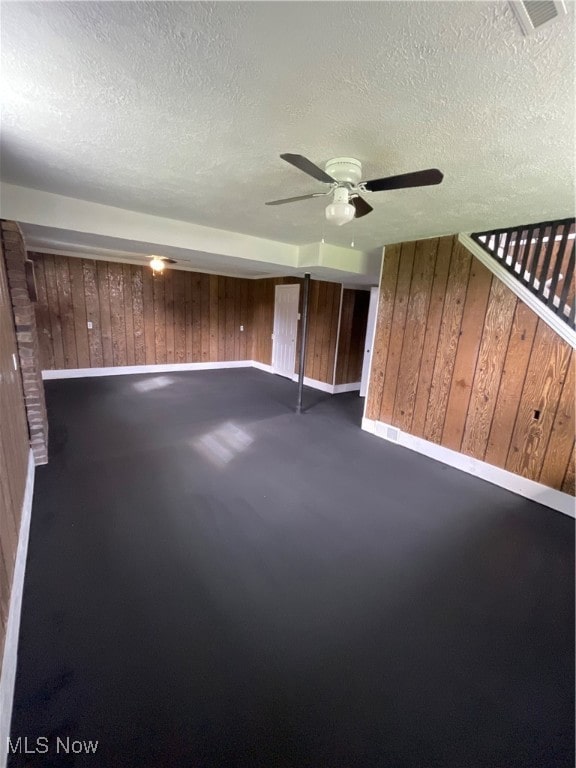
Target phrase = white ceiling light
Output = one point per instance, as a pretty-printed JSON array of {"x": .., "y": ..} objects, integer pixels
[
  {"x": 158, "y": 263},
  {"x": 344, "y": 174},
  {"x": 340, "y": 211}
]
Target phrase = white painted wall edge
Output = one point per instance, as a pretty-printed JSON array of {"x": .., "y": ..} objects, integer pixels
[
  {"x": 339, "y": 388},
  {"x": 120, "y": 370},
  {"x": 525, "y": 295},
  {"x": 9, "y": 662},
  {"x": 315, "y": 384},
  {"x": 374, "y": 334},
  {"x": 529, "y": 489}
]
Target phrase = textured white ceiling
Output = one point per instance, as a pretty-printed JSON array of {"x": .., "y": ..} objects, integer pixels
[{"x": 181, "y": 110}]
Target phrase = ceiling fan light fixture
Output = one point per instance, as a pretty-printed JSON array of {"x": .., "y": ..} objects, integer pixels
[
  {"x": 340, "y": 211},
  {"x": 157, "y": 264}
]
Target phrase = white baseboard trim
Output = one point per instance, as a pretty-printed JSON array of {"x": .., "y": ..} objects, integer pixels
[
  {"x": 315, "y": 384},
  {"x": 122, "y": 370},
  {"x": 339, "y": 388},
  {"x": 562, "y": 502},
  {"x": 262, "y": 366},
  {"x": 8, "y": 676}
]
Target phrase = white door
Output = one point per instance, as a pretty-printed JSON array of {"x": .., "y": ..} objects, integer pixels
[
  {"x": 370, "y": 328},
  {"x": 285, "y": 329}
]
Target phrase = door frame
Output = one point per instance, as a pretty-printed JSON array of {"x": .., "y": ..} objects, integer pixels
[
  {"x": 295, "y": 289},
  {"x": 369, "y": 342}
]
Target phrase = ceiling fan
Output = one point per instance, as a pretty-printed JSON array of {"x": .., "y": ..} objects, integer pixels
[
  {"x": 343, "y": 174},
  {"x": 158, "y": 263}
]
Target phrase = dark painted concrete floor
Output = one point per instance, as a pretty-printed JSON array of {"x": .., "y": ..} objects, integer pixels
[{"x": 214, "y": 582}]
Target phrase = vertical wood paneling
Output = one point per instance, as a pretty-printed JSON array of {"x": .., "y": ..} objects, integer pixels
[
  {"x": 569, "y": 477},
  {"x": 542, "y": 388},
  {"x": 117, "y": 324},
  {"x": 312, "y": 347},
  {"x": 466, "y": 355},
  {"x": 323, "y": 311},
  {"x": 210, "y": 322},
  {"x": 229, "y": 310},
  {"x": 559, "y": 451},
  {"x": 493, "y": 381},
  {"x": 105, "y": 319},
  {"x": 221, "y": 283},
  {"x": 511, "y": 383},
  {"x": 195, "y": 286},
  {"x": 345, "y": 336},
  {"x": 138, "y": 324},
  {"x": 77, "y": 291},
  {"x": 149, "y": 319},
  {"x": 140, "y": 318},
  {"x": 45, "y": 332},
  {"x": 168, "y": 280},
  {"x": 352, "y": 337},
  {"x": 181, "y": 282},
  {"x": 414, "y": 332},
  {"x": 64, "y": 289},
  {"x": 92, "y": 303},
  {"x": 190, "y": 319},
  {"x": 447, "y": 343},
  {"x": 244, "y": 320},
  {"x": 324, "y": 335},
  {"x": 128, "y": 309},
  {"x": 159, "y": 318},
  {"x": 398, "y": 321},
  {"x": 495, "y": 337},
  {"x": 53, "y": 312},
  {"x": 433, "y": 321}
]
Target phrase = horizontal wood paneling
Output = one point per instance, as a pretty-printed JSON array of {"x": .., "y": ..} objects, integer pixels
[
  {"x": 460, "y": 361},
  {"x": 138, "y": 318},
  {"x": 352, "y": 336},
  {"x": 14, "y": 451}
]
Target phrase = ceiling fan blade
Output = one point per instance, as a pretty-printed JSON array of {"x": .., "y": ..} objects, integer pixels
[
  {"x": 362, "y": 207},
  {"x": 416, "y": 179},
  {"x": 294, "y": 199},
  {"x": 303, "y": 164}
]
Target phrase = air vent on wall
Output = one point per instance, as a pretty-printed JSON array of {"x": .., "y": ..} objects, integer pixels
[{"x": 535, "y": 14}]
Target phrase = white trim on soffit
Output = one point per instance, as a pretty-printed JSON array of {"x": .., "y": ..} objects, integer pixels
[
  {"x": 9, "y": 662},
  {"x": 523, "y": 293},
  {"x": 549, "y": 497}
]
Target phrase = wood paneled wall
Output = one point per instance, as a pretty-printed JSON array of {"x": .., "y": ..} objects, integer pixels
[
  {"x": 460, "y": 361},
  {"x": 323, "y": 311},
  {"x": 352, "y": 336},
  {"x": 138, "y": 318},
  {"x": 176, "y": 317},
  {"x": 14, "y": 451}
]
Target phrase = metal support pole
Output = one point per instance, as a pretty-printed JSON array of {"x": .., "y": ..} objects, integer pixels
[{"x": 303, "y": 334}]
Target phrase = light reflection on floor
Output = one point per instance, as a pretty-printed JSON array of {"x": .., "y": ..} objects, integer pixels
[
  {"x": 158, "y": 382},
  {"x": 221, "y": 445}
]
